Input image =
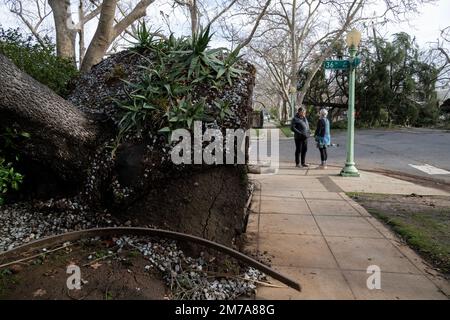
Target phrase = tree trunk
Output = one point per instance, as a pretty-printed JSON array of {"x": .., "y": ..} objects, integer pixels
[
  {"x": 65, "y": 37},
  {"x": 294, "y": 53},
  {"x": 64, "y": 144},
  {"x": 194, "y": 16},
  {"x": 81, "y": 44},
  {"x": 103, "y": 36},
  {"x": 284, "y": 111},
  {"x": 61, "y": 136}
]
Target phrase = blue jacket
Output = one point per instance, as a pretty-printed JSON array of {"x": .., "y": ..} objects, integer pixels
[{"x": 322, "y": 134}]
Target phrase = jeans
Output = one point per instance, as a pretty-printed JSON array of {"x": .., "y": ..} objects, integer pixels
[
  {"x": 323, "y": 154},
  {"x": 301, "y": 147}
]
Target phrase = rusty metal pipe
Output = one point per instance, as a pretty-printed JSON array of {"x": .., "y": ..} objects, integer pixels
[{"x": 120, "y": 231}]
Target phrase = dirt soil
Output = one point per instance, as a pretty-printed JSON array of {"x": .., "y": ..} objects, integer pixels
[
  {"x": 106, "y": 276},
  {"x": 420, "y": 180},
  {"x": 208, "y": 204},
  {"x": 422, "y": 221}
]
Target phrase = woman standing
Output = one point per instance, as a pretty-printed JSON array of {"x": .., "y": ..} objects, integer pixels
[{"x": 322, "y": 136}]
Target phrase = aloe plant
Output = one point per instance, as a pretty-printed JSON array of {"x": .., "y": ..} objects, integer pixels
[
  {"x": 162, "y": 100},
  {"x": 145, "y": 39}
]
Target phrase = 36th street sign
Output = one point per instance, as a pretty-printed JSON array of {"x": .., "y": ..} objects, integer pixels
[{"x": 337, "y": 64}]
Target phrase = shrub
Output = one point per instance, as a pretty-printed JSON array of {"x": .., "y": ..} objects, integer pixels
[
  {"x": 342, "y": 124},
  {"x": 162, "y": 100},
  {"x": 313, "y": 116},
  {"x": 10, "y": 179},
  {"x": 39, "y": 61},
  {"x": 274, "y": 113},
  {"x": 428, "y": 115}
]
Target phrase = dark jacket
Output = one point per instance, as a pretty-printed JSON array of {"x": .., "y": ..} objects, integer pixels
[
  {"x": 320, "y": 130},
  {"x": 300, "y": 127},
  {"x": 322, "y": 133}
]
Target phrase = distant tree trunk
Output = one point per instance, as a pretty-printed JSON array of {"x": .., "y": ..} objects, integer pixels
[
  {"x": 193, "y": 10},
  {"x": 65, "y": 37},
  {"x": 294, "y": 51},
  {"x": 81, "y": 43},
  {"x": 62, "y": 137},
  {"x": 284, "y": 114},
  {"x": 103, "y": 36},
  {"x": 107, "y": 31}
]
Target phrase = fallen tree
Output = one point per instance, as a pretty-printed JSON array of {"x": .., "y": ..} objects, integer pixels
[
  {"x": 81, "y": 142},
  {"x": 63, "y": 137}
]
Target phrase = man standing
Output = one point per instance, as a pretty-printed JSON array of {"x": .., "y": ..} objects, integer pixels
[{"x": 300, "y": 127}]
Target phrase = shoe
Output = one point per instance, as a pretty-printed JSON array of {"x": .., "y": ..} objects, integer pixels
[
  {"x": 305, "y": 165},
  {"x": 298, "y": 166}
]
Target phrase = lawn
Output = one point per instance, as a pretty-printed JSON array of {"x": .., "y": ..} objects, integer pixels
[
  {"x": 422, "y": 221},
  {"x": 286, "y": 131}
]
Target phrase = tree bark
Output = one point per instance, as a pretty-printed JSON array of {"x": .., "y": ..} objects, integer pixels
[
  {"x": 65, "y": 37},
  {"x": 62, "y": 137},
  {"x": 81, "y": 43},
  {"x": 193, "y": 10},
  {"x": 103, "y": 36},
  {"x": 139, "y": 11},
  {"x": 107, "y": 32}
]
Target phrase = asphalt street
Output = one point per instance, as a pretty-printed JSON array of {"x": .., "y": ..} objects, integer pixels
[{"x": 385, "y": 149}]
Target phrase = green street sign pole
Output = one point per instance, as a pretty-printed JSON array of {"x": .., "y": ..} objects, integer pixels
[{"x": 349, "y": 169}]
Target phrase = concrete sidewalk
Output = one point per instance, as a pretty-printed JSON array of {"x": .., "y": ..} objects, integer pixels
[{"x": 314, "y": 233}]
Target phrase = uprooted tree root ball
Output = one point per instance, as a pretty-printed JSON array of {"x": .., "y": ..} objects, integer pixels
[{"x": 107, "y": 149}]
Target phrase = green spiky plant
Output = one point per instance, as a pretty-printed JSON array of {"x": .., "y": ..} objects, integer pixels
[
  {"x": 200, "y": 61},
  {"x": 162, "y": 100},
  {"x": 144, "y": 37}
]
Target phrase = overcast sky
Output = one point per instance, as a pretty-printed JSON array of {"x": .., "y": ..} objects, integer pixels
[{"x": 425, "y": 26}]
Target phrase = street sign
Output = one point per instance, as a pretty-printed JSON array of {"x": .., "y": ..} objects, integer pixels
[{"x": 337, "y": 64}]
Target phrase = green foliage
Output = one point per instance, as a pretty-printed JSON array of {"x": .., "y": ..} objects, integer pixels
[
  {"x": 395, "y": 85},
  {"x": 286, "y": 130},
  {"x": 395, "y": 81},
  {"x": 198, "y": 60},
  {"x": 313, "y": 116},
  {"x": 10, "y": 179},
  {"x": 144, "y": 37},
  {"x": 273, "y": 113},
  {"x": 164, "y": 98},
  {"x": 224, "y": 108},
  {"x": 342, "y": 124},
  {"x": 38, "y": 60},
  {"x": 227, "y": 68},
  {"x": 184, "y": 113}
]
